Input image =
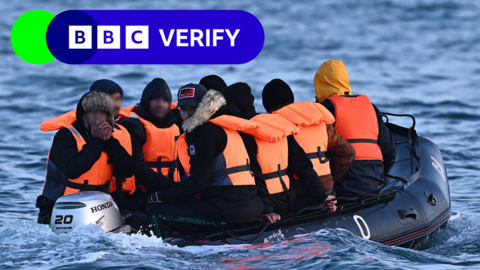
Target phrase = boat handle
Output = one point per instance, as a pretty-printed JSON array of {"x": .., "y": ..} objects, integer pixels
[{"x": 411, "y": 213}]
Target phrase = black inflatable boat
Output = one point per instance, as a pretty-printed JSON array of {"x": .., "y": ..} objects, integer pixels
[{"x": 414, "y": 204}]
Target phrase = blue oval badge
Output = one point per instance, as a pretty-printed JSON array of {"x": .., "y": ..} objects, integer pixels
[{"x": 155, "y": 37}]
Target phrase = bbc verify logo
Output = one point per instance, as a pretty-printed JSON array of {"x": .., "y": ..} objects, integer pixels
[
  {"x": 108, "y": 37},
  {"x": 139, "y": 37}
]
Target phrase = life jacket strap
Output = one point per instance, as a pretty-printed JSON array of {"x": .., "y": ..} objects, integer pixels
[
  {"x": 280, "y": 173},
  {"x": 226, "y": 172},
  {"x": 275, "y": 174},
  {"x": 322, "y": 156},
  {"x": 362, "y": 141},
  {"x": 86, "y": 187},
  {"x": 172, "y": 165}
]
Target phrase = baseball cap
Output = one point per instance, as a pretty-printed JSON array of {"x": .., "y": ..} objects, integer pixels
[{"x": 191, "y": 94}]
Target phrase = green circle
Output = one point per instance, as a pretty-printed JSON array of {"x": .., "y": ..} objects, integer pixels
[{"x": 29, "y": 37}]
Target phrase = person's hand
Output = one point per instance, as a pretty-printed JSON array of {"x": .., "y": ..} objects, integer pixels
[
  {"x": 272, "y": 218},
  {"x": 97, "y": 132},
  {"x": 330, "y": 203},
  {"x": 108, "y": 128},
  {"x": 154, "y": 198}
]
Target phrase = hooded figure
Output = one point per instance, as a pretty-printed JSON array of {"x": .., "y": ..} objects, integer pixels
[
  {"x": 157, "y": 88},
  {"x": 240, "y": 95},
  {"x": 213, "y": 82},
  {"x": 359, "y": 122},
  {"x": 69, "y": 161},
  {"x": 218, "y": 170},
  {"x": 331, "y": 80},
  {"x": 153, "y": 140}
]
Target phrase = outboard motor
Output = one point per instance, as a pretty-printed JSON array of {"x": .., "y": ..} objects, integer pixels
[{"x": 88, "y": 207}]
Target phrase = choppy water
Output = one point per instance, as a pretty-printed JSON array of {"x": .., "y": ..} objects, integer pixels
[{"x": 417, "y": 57}]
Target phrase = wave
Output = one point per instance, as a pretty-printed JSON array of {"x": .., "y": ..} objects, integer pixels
[{"x": 25, "y": 243}]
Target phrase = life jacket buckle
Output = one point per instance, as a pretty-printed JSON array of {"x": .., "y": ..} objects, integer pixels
[
  {"x": 322, "y": 155},
  {"x": 249, "y": 168}
]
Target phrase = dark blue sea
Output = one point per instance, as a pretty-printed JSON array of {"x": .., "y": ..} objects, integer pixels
[{"x": 415, "y": 57}]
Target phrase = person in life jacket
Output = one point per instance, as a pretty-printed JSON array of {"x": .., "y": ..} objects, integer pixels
[
  {"x": 84, "y": 155},
  {"x": 330, "y": 154},
  {"x": 220, "y": 189},
  {"x": 124, "y": 187},
  {"x": 360, "y": 123},
  {"x": 275, "y": 156},
  {"x": 154, "y": 129}
]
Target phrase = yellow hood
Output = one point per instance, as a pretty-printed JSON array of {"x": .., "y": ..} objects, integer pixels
[{"x": 331, "y": 79}]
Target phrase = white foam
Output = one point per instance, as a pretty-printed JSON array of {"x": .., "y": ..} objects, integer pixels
[{"x": 26, "y": 243}]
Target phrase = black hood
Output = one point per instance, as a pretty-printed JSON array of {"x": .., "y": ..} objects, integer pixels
[
  {"x": 106, "y": 86},
  {"x": 156, "y": 88},
  {"x": 213, "y": 82},
  {"x": 240, "y": 95},
  {"x": 276, "y": 94}
]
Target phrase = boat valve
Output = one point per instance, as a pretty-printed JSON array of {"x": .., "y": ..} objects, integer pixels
[{"x": 432, "y": 200}]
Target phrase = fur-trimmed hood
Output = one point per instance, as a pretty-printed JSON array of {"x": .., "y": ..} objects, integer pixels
[
  {"x": 211, "y": 102},
  {"x": 95, "y": 101}
]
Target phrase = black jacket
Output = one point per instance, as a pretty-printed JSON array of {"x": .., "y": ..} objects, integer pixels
[
  {"x": 367, "y": 176},
  {"x": 73, "y": 163},
  {"x": 237, "y": 204}
]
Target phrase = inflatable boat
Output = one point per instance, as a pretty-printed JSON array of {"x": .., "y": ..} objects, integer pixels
[{"x": 413, "y": 205}]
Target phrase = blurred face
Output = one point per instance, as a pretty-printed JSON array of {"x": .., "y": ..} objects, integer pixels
[
  {"x": 187, "y": 111},
  {"x": 95, "y": 117},
  {"x": 159, "y": 107},
  {"x": 117, "y": 103}
]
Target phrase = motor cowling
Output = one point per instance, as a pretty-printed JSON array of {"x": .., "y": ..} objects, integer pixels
[{"x": 88, "y": 207}]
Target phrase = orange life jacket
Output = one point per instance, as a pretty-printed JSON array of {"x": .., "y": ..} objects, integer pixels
[
  {"x": 160, "y": 149},
  {"x": 120, "y": 133},
  {"x": 97, "y": 178},
  {"x": 356, "y": 121},
  {"x": 312, "y": 119},
  {"x": 231, "y": 168},
  {"x": 127, "y": 185},
  {"x": 272, "y": 150}
]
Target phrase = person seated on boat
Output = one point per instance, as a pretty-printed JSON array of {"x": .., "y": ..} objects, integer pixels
[
  {"x": 154, "y": 126},
  {"x": 274, "y": 155},
  {"x": 360, "y": 123},
  {"x": 84, "y": 155},
  {"x": 330, "y": 154},
  {"x": 121, "y": 189},
  {"x": 220, "y": 189},
  {"x": 214, "y": 82}
]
